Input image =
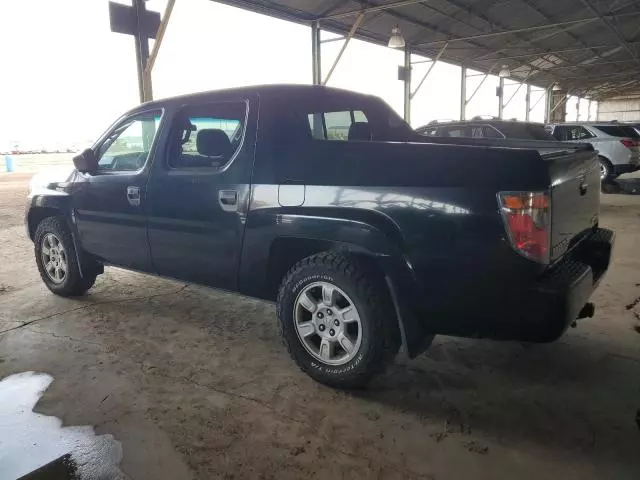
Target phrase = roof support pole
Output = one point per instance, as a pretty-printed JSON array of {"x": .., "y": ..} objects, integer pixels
[
  {"x": 159, "y": 36},
  {"x": 578, "y": 110},
  {"x": 433, "y": 64},
  {"x": 547, "y": 106},
  {"x": 463, "y": 93},
  {"x": 527, "y": 103},
  {"x": 407, "y": 85},
  {"x": 352, "y": 32},
  {"x": 142, "y": 54},
  {"x": 501, "y": 98},
  {"x": 589, "y": 111},
  {"x": 316, "y": 55}
]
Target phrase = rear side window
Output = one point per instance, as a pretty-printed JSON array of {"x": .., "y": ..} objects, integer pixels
[
  {"x": 571, "y": 132},
  {"x": 618, "y": 131},
  {"x": 453, "y": 132},
  {"x": 342, "y": 125},
  {"x": 490, "y": 132},
  {"x": 207, "y": 135},
  {"x": 525, "y": 131}
]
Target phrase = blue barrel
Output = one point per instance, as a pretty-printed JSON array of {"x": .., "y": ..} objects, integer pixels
[{"x": 8, "y": 163}]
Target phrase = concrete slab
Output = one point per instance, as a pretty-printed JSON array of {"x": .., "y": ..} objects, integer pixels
[{"x": 196, "y": 384}]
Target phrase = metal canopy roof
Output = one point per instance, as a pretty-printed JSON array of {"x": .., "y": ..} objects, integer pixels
[{"x": 589, "y": 47}]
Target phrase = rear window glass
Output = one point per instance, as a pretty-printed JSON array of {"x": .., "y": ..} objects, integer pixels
[
  {"x": 525, "y": 131},
  {"x": 618, "y": 131}
]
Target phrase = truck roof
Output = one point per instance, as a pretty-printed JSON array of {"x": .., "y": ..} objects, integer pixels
[{"x": 276, "y": 90}]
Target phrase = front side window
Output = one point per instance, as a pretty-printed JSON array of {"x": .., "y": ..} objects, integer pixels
[
  {"x": 127, "y": 147},
  {"x": 207, "y": 135},
  {"x": 342, "y": 125}
]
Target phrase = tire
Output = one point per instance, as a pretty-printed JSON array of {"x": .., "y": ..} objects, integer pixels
[
  {"x": 373, "y": 336},
  {"x": 606, "y": 170},
  {"x": 72, "y": 283}
]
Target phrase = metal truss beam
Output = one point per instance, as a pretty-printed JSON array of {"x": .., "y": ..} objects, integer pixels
[
  {"x": 433, "y": 64},
  {"x": 524, "y": 29},
  {"x": 352, "y": 32},
  {"x": 371, "y": 9}
]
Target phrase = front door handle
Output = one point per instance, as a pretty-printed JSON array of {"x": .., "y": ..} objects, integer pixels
[
  {"x": 228, "y": 200},
  {"x": 133, "y": 196}
]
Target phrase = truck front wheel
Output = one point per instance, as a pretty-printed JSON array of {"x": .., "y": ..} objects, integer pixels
[
  {"x": 337, "y": 320},
  {"x": 56, "y": 259}
]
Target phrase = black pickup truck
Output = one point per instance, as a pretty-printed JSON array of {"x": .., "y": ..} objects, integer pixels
[{"x": 367, "y": 235}]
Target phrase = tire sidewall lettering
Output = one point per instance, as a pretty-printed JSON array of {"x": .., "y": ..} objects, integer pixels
[{"x": 321, "y": 367}]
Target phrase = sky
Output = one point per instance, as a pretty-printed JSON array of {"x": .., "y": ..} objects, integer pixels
[{"x": 65, "y": 77}]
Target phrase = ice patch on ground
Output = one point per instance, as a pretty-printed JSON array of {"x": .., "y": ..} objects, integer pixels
[{"x": 30, "y": 440}]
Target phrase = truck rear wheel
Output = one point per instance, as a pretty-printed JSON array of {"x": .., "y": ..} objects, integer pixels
[
  {"x": 57, "y": 261},
  {"x": 337, "y": 321}
]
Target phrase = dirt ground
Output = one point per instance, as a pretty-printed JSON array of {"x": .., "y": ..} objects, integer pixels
[{"x": 196, "y": 384}]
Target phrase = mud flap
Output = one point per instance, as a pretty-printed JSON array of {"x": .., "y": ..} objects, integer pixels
[{"x": 415, "y": 339}]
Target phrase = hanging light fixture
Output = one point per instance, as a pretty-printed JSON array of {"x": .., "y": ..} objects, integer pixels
[
  {"x": 396, "y": 40},
  {"x": 556, "y": 87},
  {"x": 505, "y": 72}
]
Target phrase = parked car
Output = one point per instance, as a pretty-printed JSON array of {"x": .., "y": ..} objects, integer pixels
[
  {"x": 487, "y": 128},
  {"x": 618, "y": 145},
  {"x": 366, "y": 243}
]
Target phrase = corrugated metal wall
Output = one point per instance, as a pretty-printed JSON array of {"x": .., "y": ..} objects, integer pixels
[{"x": 621, "y": 109}]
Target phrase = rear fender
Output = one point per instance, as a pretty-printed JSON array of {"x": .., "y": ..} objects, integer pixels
[{"x": 381, "y": 243}]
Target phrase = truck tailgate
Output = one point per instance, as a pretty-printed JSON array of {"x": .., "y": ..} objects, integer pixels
[{"x": 575, "y": 197}]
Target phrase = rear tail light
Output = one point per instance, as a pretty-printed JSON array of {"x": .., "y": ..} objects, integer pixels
[
  {"x": 630, "y": 143},
  {"x": 527, "y": 219}
]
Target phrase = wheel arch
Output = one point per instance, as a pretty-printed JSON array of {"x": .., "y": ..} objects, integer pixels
[
  {"x": 391, "y": 272},
  {"x": 37, "y": 214}
]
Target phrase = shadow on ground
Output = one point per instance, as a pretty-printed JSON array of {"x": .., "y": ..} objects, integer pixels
[{"x": 622, "y": 186}]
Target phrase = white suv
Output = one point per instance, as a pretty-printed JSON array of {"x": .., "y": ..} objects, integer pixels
[{"x": 618, "y": 145}]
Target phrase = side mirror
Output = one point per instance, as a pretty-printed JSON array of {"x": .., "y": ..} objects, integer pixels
[{"x": 86, "y": 162}]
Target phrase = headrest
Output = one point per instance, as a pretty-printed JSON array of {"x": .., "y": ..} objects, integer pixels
[
  {"x": 212, "y": 142},
  {"x": 360, "y": 131}
]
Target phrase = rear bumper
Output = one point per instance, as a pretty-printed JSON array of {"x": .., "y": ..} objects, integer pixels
[
  {"x": 555, "y": 300},
  {"x": 625, "y": 168},
  {"x": 535, "y": 310},
  {"x": 631, "y": 165}
]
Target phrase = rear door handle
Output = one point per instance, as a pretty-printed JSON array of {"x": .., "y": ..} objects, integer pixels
[
  {"x": 228, "y": 200},
  {"x": 133, "y": 196}
]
